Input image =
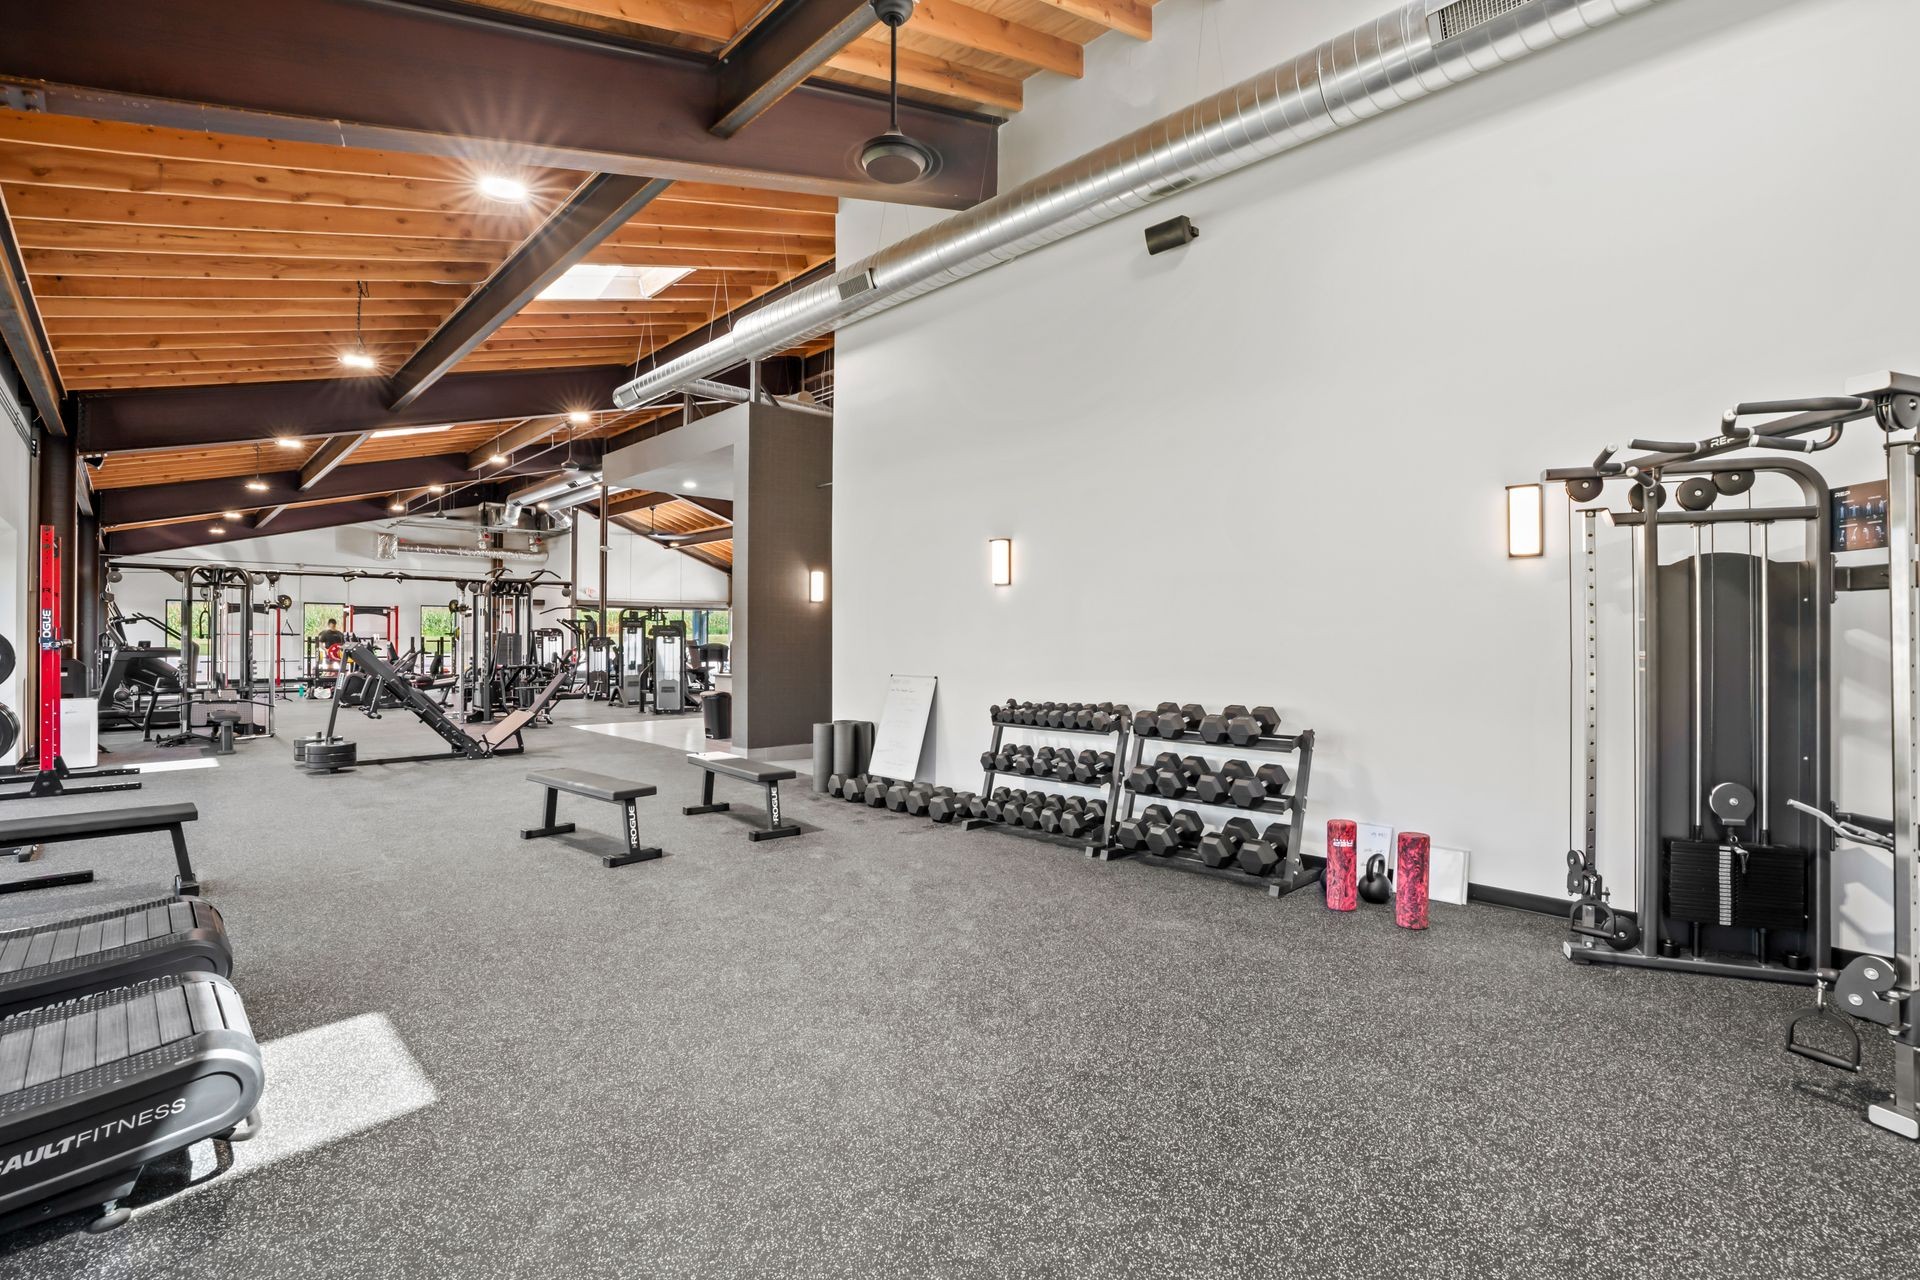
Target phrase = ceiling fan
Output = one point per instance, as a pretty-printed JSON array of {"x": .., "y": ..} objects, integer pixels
[{"x": 893, "y": 157}]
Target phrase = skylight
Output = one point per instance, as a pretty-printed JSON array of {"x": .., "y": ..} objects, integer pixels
[
  {"x": 390, "y": 432},
  {"x": 611, "y": 282}
]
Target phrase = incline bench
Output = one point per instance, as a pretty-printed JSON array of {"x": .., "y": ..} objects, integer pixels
[
  {"x": 55, "y": 828},
  {"x": 594, "y": 786},
  {"x": 768, "y": 775}
]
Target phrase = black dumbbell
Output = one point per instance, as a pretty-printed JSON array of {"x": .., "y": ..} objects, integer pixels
[
  {"x": 1217, "y": 848},
  {"x": 895, "y": 796},
  {"x": 1254, "y": 792},
  {"x": 1024, "y": 713},
  {"x": 1147, "y": 723},
  {"x": 1052, "y": 816},
  {"x": 854, "y": 788},
  {"x": 949, "y": 806},
  {"x": 1039, "y": 804},
  {"x": 1065, "y": 765},
  {"x": 835, "y": 782},
  {"x": 990, "y": 760},
  {"x": 1262, "y": 857},
  {"x": 1131, "y": 834},
  {"x": 977, "y": 805},
  {"x": 1180, "y": 720},
  {"x": 1213, "y": 786},
  {"x": 1004, "y": 713},
  {"x": 1111, "y": 716},
  {"x": 1093, "y": 767},
  {"x": 1144, "y": 779},
  {"x": 1213, "y": 728},
  {"x": 1261, "y": 722},
  {"x": 1084, "y": 822},
  {"x": 877, "y": 792},
  {"x": 920, "y": 799},
  {"x": 1182, "y": 831},
  {"x": 1020, "y": 760},
  {"x": 998, "y": 808},
  {"x": 1177, "y": 773}
]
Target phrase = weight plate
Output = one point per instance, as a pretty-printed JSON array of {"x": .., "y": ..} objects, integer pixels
[
  {"x": 1584, "y": 490},
  {"x": 1733, "y": 482},
  {"x": 9, "y": 729},
  {"x": 6, "y": 658}
]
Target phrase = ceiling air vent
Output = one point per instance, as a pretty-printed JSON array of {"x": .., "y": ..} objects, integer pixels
[{"x": 1455, "y": 20}]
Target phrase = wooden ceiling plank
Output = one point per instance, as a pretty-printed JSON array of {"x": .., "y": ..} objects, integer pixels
[
  {"x": 1125, "y": 16},
  {"x": 923, "y": 71},
  {"x": 70, "y": 205},
  {"x": 61, "y": 262},
  {"x": 223, "y": 324},
  {"x": 41, "y": 233},
  {"x": 86, "y": 286},
  {"x": 959, "y": 24},
  {"x": 68, "y": 308},
  {"x": 211, "y": 342}
]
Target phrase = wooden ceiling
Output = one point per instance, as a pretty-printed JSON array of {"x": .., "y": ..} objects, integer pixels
[
  {"x": 167, "y": 257},
  {"x": 977, "y": 54}
]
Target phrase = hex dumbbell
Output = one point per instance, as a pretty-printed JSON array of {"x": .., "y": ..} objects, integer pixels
[
  {"x": 1176, "y": 774},
  {"x": 1181, "y": 720},
  {"x": 949, "y": 806},
  {"x": 1147, "y": 723},
  {"x": 877, "y": 789},
  {"x": 1182, "y": 831},
  {"x": 1261, "y": 722},
  {"x": 1218, "y": 848},
  {"x": 1085, "y": 822},
  {"x": 1254, "y": 792},
  {"x": 1131, "y": 834},
  {"x": 1093, "y": 767},
  {"x": 855, "y": 788},
  {"x": 1262, "y": 857},
  {"x": 1110, "y": 717},
  {"x": 1213, "y": 728},
  {"x": 1214, "y": 785}
]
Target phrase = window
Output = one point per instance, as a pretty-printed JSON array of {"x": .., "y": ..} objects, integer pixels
[
  {"x": 437, "y": 622},
  {"x": 199, "y": 620},
  {"x": 315, "y": 617}
]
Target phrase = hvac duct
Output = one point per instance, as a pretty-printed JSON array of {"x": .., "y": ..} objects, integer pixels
[
  {"x": 740, "y": 395},
  {"x": 405, "y": 546},
  {"x": 1415, "y": 50}
]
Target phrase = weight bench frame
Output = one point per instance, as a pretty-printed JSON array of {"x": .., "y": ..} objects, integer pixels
[
  {"x": 186, "y": 883},
  {"x": 774, "y": 830},
  {"x": 550, "y": 825}
]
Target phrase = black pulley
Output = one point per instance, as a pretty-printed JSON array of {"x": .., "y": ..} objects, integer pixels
[
  {"x": 1733, "y": 482},
  {"x": 1585, "y": 489},
  {"x": 6, "y": 662},
  {"x": 1638, "y": 498},
  {"x": 1697, "y": 494}
]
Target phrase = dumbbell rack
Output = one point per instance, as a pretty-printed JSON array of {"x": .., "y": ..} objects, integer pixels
[
  {"x": 1294, "y": 872},
  {"x": 1114, "y": 786}
]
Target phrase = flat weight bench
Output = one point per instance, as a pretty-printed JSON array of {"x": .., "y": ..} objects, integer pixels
[
  {"x": 594, "y": 786},
  {"x": 768, "y": 775},
  {"x": 56, "y": 828}
]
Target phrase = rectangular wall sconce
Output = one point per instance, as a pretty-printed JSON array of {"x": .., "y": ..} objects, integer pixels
[
  {"x": 1526, "y": 521},
  {"x": 817, "y": 586},
  {"x": 1000, "y": 557}
]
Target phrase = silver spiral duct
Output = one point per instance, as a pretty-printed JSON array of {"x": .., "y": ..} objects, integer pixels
[{"x": 1416, "y": 50}]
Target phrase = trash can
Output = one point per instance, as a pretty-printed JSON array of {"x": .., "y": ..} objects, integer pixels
[{"x": 719, "y": 708}]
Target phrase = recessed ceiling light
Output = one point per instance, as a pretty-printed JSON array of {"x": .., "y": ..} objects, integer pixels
[
  {"x": 356, "y": 360},
  {"x": 231, "y": 515},
  {"x": 689, "y": 484},
  {"x": 216, "y": 529},
  {"x": 287, "y": 442},
  {"x": 498, "y": 460},
  {"x": 579, "y": 418},
  {"x": 497, "y": 186},
  {"x": 257, "y": 485},
  {"x": 396, "y": 505}
]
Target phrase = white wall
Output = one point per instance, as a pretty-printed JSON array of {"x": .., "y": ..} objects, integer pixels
[
  {"x": 16, "y": 547},
  {"x": 641, "y": 571},
  {"x": 1269, "y": 468}
]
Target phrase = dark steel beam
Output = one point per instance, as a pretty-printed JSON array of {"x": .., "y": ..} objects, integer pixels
[
  {"x": 326, "y": 458},
  {"x": 148, "y": 502},
  {"x": 438, "y": 79},
  {"x": 603, "y": 204},
  {"x": 197, "y": 533},
  {"x": 508, "y": 442},
  {"x": 257, "y": 412},
  {"x": 795, "y": 41},
  {"x": 20, "y": 330}
]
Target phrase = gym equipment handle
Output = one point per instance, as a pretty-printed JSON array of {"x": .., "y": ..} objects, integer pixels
[
  {"x": 1801, "y": 1049},
  {"x": 1667, "y": 446}
]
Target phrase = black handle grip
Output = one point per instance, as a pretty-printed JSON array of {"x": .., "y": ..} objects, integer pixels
[
  {"x": 1816, "y": 404},
  {"x": 1800, "y": 1049},
  {"x": 1688, "y": 447}
]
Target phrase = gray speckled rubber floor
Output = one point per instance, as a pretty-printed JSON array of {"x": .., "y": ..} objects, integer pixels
[{"x": 891, "y": 1049}]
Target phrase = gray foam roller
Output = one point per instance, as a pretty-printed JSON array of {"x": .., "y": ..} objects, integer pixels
[
  {"x": 822, "y": 754},
  {"x": 846, "y": 749}
]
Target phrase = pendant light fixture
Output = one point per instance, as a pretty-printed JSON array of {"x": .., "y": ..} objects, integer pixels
[
  {"x": 893, "y": 157},
  {"x": 359, "y": 357},
  {"x": 258, "y": 484}
]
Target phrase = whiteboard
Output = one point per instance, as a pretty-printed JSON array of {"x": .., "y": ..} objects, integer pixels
[{"x": 903, "y": 727}]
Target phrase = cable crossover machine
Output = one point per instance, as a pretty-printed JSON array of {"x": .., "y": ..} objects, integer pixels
[{"x": 1734, "y": 820}]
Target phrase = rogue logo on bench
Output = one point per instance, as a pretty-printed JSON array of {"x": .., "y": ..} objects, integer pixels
[{"x": 32, "y": 1156}]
